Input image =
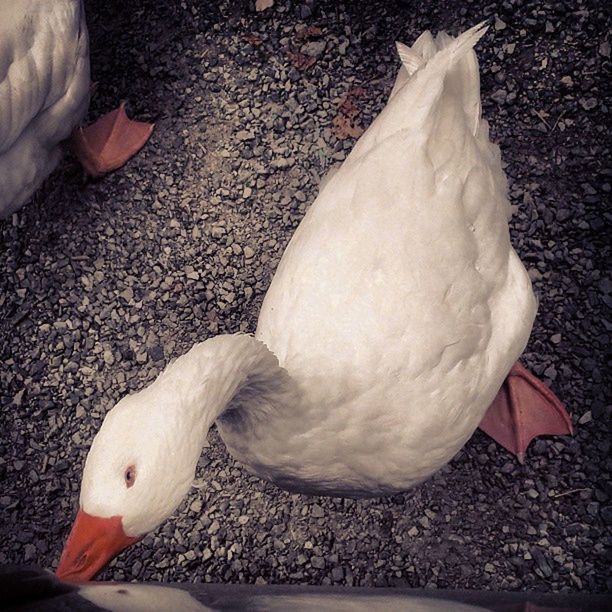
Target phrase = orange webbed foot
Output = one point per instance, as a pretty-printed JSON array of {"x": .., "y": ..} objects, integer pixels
[
  {"x": 109, "y": 142},
  {"x": 523, "y": 409}
]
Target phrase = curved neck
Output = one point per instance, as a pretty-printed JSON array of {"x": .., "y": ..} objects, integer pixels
[{"x": 233, "y": 373}]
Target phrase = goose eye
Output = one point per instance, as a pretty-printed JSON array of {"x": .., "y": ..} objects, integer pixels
[{"x": 130, "y": 476}]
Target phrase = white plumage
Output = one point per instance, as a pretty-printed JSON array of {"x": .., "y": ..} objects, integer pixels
[
  {"x": 399, "y": 306},
  {"x": 395, "y": 314},
  {"x": 44, "y": 90}
]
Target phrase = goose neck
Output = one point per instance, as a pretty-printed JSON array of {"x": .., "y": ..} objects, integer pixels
[{"x": 228, "y": 373}]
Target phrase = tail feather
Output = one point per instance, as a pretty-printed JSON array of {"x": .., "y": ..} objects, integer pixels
[
  {"x": 411, "y": 59},
  {"x": 444, "y": 48},
  {"x": 452, "y": 56},
  {"x": 463, "y": 43},
  {"x": 464, "y": 76},
  {"x": 425, "y": 46},
  {"x": 433, "y": 72}
]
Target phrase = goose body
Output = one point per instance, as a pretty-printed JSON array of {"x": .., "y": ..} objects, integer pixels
[
  {"x": 390, "y": 325},
  {"x": 399, "y": 305},
  {"x": 44, "y": 90}
]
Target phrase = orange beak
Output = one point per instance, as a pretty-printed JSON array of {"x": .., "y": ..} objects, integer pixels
[{"x": 93, "y": 542}]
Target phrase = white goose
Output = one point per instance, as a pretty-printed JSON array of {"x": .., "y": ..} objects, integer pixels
[
  {"x": 397, "y": 311},
  {"x": 44, "y": 95}
]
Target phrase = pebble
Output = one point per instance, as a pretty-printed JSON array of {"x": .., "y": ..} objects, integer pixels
[
  {"x": 499, "y": 96},
  {"x": 314, "y": 48},
  {"x": 316, "y": 511},
  {"x": 127, "y": 294},
  {"x": 214, "y": 528},
  {"x": 29, "y": 551},
  {"x": 317, "y": 562},
  {"x": 588, "y": 103},
  {"x": 156, "y": 352}
]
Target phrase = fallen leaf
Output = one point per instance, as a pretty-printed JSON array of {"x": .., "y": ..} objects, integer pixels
[
  {"x": 304, "y": 32},
  {"x": 356, "y": 92},
  {"x": 301, "y": 61},
  {"x": 344, "y": 127},
  {"x": 262, "y": 5},
  {"x": 347, "y": 108},
  {"x": 345, "y": 123},
  {"x": 253, "y": 39}
]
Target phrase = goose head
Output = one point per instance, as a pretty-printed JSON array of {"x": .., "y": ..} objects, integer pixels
[{"x": 139, "y": 468}]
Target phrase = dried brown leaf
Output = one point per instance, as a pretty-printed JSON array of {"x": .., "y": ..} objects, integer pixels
[
  {"x": 304, "y": 32},
  {"x": 356, "y": 92},
  {"x": 301, "y": 61},
  {"x": 344, "y": 127},
  {"x": 253, "y": 39},
  {"x": 346, "y": 123},
  {"x": 347, "y": 108}
]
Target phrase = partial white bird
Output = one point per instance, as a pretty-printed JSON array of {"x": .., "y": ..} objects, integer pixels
[
  {"x": 44, "y": 90},
  {"x": 44, "y": 95}
]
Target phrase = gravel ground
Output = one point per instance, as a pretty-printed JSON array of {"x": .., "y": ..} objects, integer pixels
[{"x": 104, "y": 282}]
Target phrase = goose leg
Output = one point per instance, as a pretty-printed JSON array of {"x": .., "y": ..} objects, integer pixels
[
  {"x": 523, "y": 409},
  {"x": 109, "y": 142}
]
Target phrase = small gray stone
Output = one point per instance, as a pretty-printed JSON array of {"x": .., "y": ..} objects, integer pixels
[
  {"x": 18, "y": 398},
  {"x": 245, "y": 135},
  {"x": 424, "y": 521},
  {"x": 588, "y": 103},
  {"x": 317, "y": 562},
  {"x": 314, "y": 48},
  {"x": 156, "y": 352},
  {"x": 499, "y": 96},
  {"x": 316, "y": 511},
  {"x": 127, "y": 294}
]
